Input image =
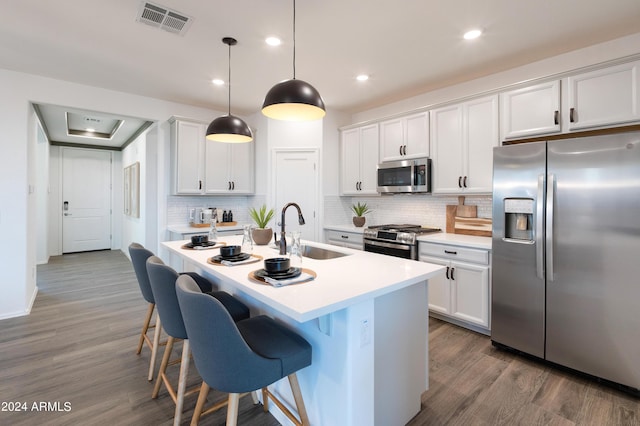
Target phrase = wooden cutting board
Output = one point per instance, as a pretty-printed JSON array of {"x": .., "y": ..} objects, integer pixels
[
  {"x": 466, "y": 211},
  {"x": 473, "y": 226}
]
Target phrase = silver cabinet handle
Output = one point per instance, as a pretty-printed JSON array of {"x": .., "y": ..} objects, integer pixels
[
  {"x": 551, "y": 180},
  {"x": 539, "y": 228}
]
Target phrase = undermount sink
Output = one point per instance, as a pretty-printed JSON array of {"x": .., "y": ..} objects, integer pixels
[{"x": 318, "y": 253}]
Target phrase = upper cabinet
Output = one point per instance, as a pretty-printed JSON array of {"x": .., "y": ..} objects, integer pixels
[
  {"x": 596, "y": 99},
  {"x": 531, "y": 111},
  {"x": 202, "y": 167},
  {"x": 405, "y": 137},
  {"x": 359, "y": 160},
  {"x": 229, "y": 168},
  {"x": 462, "y": 138},
  {"x": 187, "y": 149},
  {"x": 604, "y": 97}
]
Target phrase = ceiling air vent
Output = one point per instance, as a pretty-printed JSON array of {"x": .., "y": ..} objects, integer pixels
[{"x": 163, "y": 18}]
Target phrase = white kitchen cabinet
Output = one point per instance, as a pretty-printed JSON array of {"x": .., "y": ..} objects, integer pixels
[
  {"x": 359, "y": 160},
  {"x": 229, "y": 168},
  {"x": 345, "y": 239},
  {"x": 187, "y": 151},
  {"x": 463, "y": 137},
  {"x": 463, "y": 293},
  {"x": 604, "y": 97},
  {"x": 202, "y": 167},
  {"x": 530, "y": 111},
  {"x": 405, "y": 137}
]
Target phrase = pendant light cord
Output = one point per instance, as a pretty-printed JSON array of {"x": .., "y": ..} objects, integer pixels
[
  {"x": 229, "y": 103},
  {"x": 294, "y": 39}
]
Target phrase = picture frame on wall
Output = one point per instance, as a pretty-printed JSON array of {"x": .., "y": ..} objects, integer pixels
[{"x": 132, "y": 190}]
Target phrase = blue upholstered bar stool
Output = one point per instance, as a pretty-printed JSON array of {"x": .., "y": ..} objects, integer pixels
[
  {"x": 163, "y": 283},
  {"x": 240, "y": 357},
  {"x": 139, "y": 256}
]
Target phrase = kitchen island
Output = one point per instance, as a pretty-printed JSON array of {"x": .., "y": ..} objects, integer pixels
[{"x": 365, "y": 315}]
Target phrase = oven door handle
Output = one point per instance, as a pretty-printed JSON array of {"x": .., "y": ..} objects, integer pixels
[{"x": 400, "y": 246}]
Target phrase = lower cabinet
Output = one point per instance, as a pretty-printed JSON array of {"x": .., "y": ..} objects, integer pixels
[
  {"x": 344, "y": 239},
  {"x": 463, "y": 293}
]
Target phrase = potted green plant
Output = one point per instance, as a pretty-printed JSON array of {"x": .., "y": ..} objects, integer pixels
[
  {"x": 262, "y": 234},
  {"x": 359, "y": 210}
]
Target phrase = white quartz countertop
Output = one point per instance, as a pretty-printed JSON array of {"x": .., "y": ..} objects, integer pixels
[
  {"x": 340, "y": 282},
  {"x": 457, "y": 240},
  {"x": 188, "y": 229},
  {"x": 345, "y": 228}
]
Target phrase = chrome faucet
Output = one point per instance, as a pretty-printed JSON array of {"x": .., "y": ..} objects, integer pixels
[{"x": 283, "y": 241}]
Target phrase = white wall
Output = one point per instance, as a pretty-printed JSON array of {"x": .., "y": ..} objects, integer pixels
[
  {"x": 18, "y": 208},
  {"x": 42, "y": 194},
  {"x": 599, "y": 53},
  {"x": 134, "y": 228}
]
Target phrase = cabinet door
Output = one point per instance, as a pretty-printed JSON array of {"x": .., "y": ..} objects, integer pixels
[
  {"x": 350, "y": 162},
  {"x": 604, "y": 97},
  {"x": 446, "y": 144},
  {"x": 217, "y": 167},
  {"x": 369, "y": 142},
  {"x": 392, "y": 140},
  {"x": 439, "y": 288},
  {"x": 417, "y": 135},
  {"x": 242, "y": 168},
  {"x": 530, "y": 111},
  {"x": 481, "y": 136},
  {"x": 188, "y": 140},
  {"x": 470, "y": 293}
]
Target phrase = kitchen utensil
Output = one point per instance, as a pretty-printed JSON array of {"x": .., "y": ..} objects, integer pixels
[
  {"x": 277, "y": 264},
  {"x": 199, "y": 239},
  {"x": 465, "y": 211},
  {"x": 230, "y": 251},
  {"x": 478, "y": 226}
]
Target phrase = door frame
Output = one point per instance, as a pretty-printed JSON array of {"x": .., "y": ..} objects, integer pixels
[
  {"x": 55, "y": 209},
  {"x": 318, "y": 184}
]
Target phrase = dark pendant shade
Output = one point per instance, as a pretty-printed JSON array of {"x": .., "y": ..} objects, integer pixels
[
  {"x": 230, "y": 129},
  {"x": 293, "y": 100}
]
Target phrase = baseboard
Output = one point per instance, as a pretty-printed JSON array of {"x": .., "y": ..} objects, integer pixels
[{"x": 32, "y": 301}]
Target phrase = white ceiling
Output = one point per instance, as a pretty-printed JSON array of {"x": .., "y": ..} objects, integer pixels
[{"x": 407, "y": 46}]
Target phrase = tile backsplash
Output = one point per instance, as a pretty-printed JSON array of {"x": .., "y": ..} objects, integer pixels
[
  {"x": 178, "y": 207},
  {"x": 423, "y": 210}
]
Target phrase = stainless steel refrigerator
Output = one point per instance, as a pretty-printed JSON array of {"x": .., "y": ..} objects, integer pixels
[{"x": 566, "y": 253}]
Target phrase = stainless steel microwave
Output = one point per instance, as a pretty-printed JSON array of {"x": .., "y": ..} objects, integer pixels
[{"x": 404, "y": 176}]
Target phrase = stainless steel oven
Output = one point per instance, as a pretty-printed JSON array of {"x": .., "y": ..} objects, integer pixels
[{"x": 394, "y": 240}]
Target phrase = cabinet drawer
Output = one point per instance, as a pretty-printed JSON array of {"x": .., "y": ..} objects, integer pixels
[
  {"x": 454, "y": 253},
  {"x": 344, "y": 238}
]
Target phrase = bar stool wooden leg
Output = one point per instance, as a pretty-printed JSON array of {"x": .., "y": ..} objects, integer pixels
[
  {"x": 297, "y": 396},
  {"x": 265, "y": 400},
  {"x": 145, "y": 327},
  {"x": 232, "y": 409},
  {"x": 182, "y": 381},
  {"x": 154, "y": 350},
  {"x": 163, "y": 367},
  {"x": 202, "y": 398}
]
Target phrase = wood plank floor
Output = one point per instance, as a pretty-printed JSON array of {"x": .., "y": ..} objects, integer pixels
[{"x": 78, "y": 347}]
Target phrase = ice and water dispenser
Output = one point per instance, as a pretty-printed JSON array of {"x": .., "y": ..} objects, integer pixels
[{"x": 518, "y": 219}]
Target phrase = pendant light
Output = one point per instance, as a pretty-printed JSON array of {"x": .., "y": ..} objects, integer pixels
[
  {"x": 229, "y": 128},
  {"x": 293, "y": 100}
]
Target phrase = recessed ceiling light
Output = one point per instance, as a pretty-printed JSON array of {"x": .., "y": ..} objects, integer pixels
[
  {"x": 273, "y": 41},
  {"x": 470, "y": 35},
  {"x": 217, "y": 82},
  {"x": 362, "y": 77}
]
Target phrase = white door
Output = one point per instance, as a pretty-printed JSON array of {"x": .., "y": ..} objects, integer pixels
[
  {"x": 86, "y": 197},
  {"x": 295, "y": 180}
]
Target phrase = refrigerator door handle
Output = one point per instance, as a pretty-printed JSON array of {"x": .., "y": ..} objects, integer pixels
[
  {"x": 539, "y": 228},
  {"x": 551, "y": 179}
]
